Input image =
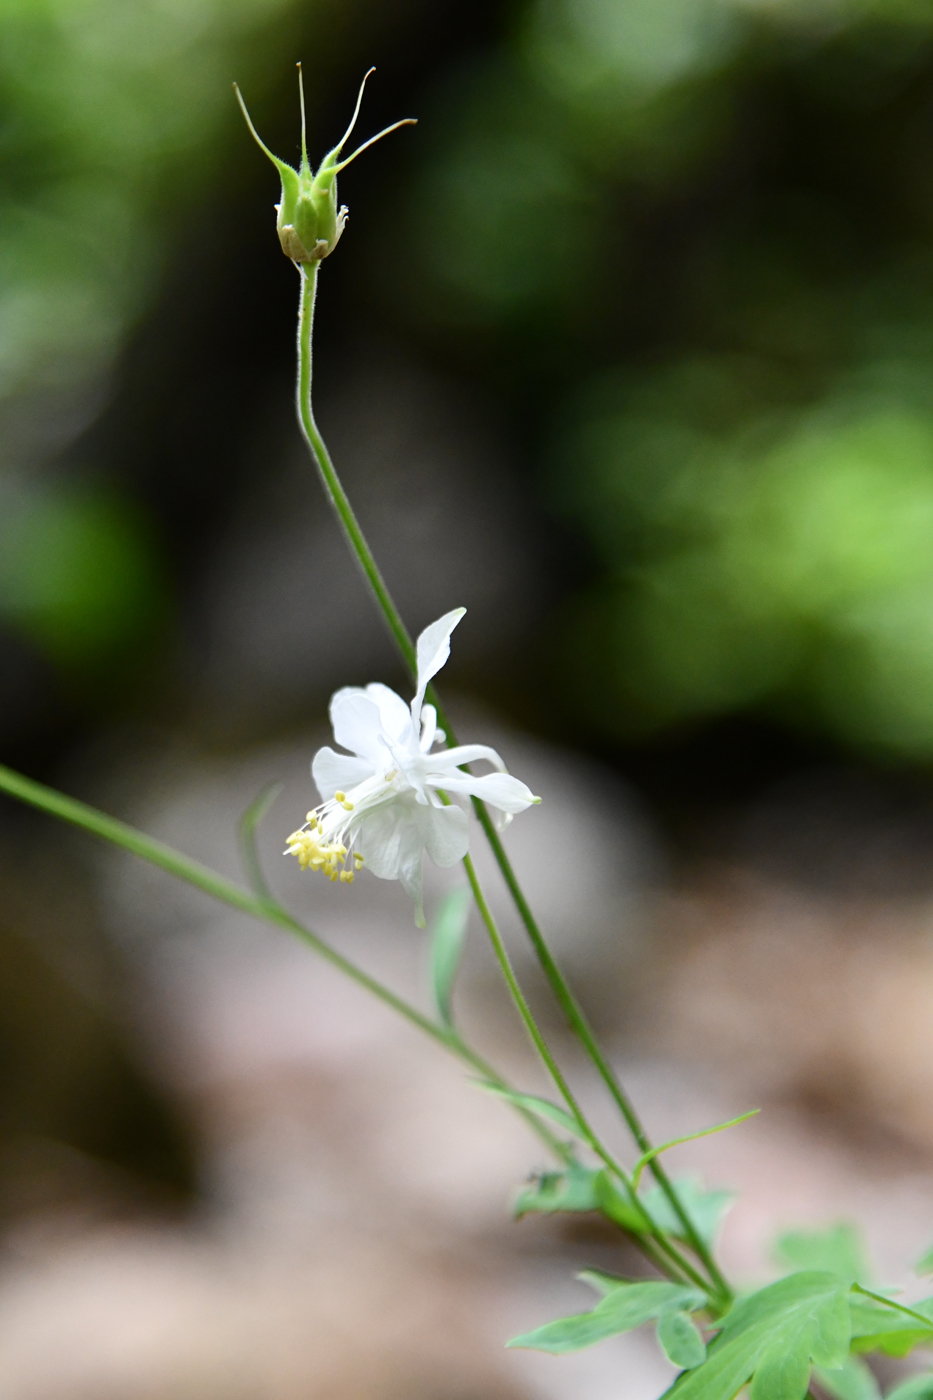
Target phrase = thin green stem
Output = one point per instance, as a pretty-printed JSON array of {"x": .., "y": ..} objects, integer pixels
[
  {"x": 580, "y": 1025},
  {"x": 565, "y": 997},
  {"x": 662, "y": 1244},
  {"x": 268, "y": 910},
  {"x": 332, "y": 484}
]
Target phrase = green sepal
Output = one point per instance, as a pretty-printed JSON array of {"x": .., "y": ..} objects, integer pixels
[{"x": 680, "y": 1340}]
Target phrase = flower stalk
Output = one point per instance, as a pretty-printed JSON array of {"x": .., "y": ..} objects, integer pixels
[{"x": 364, "y": 557}]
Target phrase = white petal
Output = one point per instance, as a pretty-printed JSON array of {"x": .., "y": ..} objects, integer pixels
[
  {"x": 390, "y": 837},
  {"x": 428, "y": 727},
  {"x": 466, "y": 753},
  {"x": 336, "y": 772},
  {"x": 498, "y": 789},
  {"x": 391, "y": 841},
  {"x": 357, "y": 724},
  {"x": 396, "y": 716},
  {"x": 433, "y": 651},
  {"x": 447, "y": 835}
]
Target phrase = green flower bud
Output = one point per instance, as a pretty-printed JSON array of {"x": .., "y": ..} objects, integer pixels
[{"x": 309, "y": 223}]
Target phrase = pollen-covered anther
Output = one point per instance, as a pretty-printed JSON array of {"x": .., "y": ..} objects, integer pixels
[{"x": 315, "y": 853}]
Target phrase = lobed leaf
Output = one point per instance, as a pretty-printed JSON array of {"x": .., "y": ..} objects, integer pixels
[
  {"x": 771, "y": 1338},
  {"x": 838, "y": 1250},
  {"x": 626, "y": 1305}
]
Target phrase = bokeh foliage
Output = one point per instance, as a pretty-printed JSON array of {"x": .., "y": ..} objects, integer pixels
[{"x": 710, "y": 226}]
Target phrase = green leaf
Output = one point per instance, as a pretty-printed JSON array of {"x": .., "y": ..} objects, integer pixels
[
  {"x": 853, "y": 1381},
  {"x": 916, "y": 1388},
  {"x": 681, "y": 1341},
  {"x": 705, "y": 1208},
  {"x": 839, "y": 1250},
  {"x": 249, "y": 823},
  {"x": 626, "y": 1305},
  {"x": 532, "y": 1104},
  {"x": 446, "y": 949},
  {"x": 925, "y": 1265},
  {"x": 877, "y": 1328},
  {"x": 572, "y": 1190},
  {"x": 771, "y": 1337}
]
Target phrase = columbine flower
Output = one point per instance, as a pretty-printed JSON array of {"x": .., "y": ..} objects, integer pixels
[{"x": 383, "y": 806}]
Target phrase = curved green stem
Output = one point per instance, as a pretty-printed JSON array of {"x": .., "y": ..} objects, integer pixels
[{"x": 364, "y": 556}]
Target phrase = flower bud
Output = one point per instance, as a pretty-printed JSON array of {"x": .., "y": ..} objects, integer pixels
[{"x": 309, "y": 223}]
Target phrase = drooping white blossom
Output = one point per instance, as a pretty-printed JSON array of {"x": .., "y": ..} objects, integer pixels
[{"x": 382, "y": 802}]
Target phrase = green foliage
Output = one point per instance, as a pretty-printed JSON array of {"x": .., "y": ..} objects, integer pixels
[
  {"x": 80, "y": 577},
  {"x": 925, "y": 1265},
  {"x": 839, "y": 1250},
  {"x": 681, "y": 1340},
  {"x": 446, "y": 949},
  {"x": 572, "y": 1190},
  {"x": 772, "y": 1338},
  {"x": 879, "y": 1328},
  {"x": 626, "y": 1304},
  {"x": 705, "y": 1208},
  {"x": 853, "y": 1381}
]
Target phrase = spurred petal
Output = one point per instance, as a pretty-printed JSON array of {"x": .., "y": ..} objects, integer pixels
[
  {"x": 433, "y": 651},
  {"x": 396, "y": 716},
  {"x": 357, "y": 723},
  {"x": 336, "y": 772},
  {"x": 446, "y": 835},
  {"x": 466, "y": 753},
  {"x": 498, "y": 789},
  {"x": 428, "y": 727}
]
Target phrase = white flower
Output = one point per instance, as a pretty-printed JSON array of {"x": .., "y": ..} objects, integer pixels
[{"x": 383, "y": 806}]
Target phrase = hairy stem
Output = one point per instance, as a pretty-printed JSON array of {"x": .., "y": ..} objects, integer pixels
[{"x": 364, "y": 556}]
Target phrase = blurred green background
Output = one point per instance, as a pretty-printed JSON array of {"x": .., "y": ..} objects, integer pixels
[{"x": 685, "y": 251}]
